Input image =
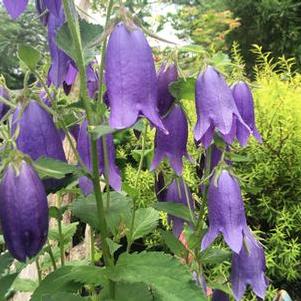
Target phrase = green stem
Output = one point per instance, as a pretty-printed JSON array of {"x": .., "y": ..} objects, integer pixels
[
  {"x": 8, "y": 103},
  {"x": 61, "y": 241},
  {"x": 188, "y": 201},
  {"x": 51, "y": 256},
  {"x": 38, "y": 269},
  {"x": 92, "y": 247},
  {"x": 136, "y": 183}
]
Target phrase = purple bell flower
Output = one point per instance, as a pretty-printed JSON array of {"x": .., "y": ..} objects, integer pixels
[
  {"x": 3, "y": 107},
  {"x": 15, "y": 7},
  {"x": 166, "y": 75},
  {"x": 38, "y": 135},
  {"x": 83, "y": 146},
  {"x": 175, "y": 192},
  {"x": 219, "y": 296},
  {"x": 92, "y": 81},
  {"x": 226, "y": 212},
  {"x": 54, "y": 7},
  {"x": 216, "y": 109},
  {"x": 172, "y": 146},
  {"x": 131, "y": 78},
  {"x": 245, "y": 105},
  {"x": 23, "y": 211},
  {"x": 248, "y": 267},
  {"x": 42, "y": 11}
]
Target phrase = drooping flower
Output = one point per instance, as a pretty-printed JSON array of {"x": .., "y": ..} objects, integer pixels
[
  {"x": 92, "y": 81},
  {"x": 226, "y": 212},
  {"x": 131, "y": 78},
  {"x": 37, "y": 134},
  {"x": 172, "y": 146},
  {"x": 219, "y": 296},
  {"x": 216, "y": 109},
  {"x": 248, "y": 267},
  {"x": 84, "y": 150},
  {"x": 42, "y": 11},
  {"x": 3, "y": 107},
  {"x": 15, "y": 7},
  {"x": 175, "y": 192},
  {"x": 245, "y": 105},
  {"x": 23, "y": 211},
  {"x": 166, "y": 75}
]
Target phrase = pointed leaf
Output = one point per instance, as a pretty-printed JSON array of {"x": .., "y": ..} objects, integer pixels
[
  {"x": 29, "y": 56},
  {"x": 175, "y": 209},
  {"x": 183, "y": 88}
]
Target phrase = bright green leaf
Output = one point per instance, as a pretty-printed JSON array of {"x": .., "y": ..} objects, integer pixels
[
  {"x": 24, "y": 285},
  {"x": 163, "y": 273},
  {"x": 29, "y": 56},
  {"x": 5, "y": 261},
  {"x": 5, "y": 284},
  {"x": 183, "y": 89},
  {"x": 215, "y": 255},
  {"x": 173, "y": 243},
  {"x": 113, "y": 246},
  {"x": 67, "y": 231},
  {"x": 175, "y": 209},
  {"x": 100, "y": 130}
]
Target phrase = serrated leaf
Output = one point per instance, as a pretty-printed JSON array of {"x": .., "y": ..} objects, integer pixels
[
  {"x": 5, "y": 261},
  {"x": 175, "y": 209},
  {"x": 69, "y": 279},
  {"x": 173, "y": 243},
  {"x": 163, "y": 273},
  {"x": 29, "y": 56},
  {"x": 90, "y": 33},
  {"x": 100, "y": 130},
  {"x": 67, "y": 231},
  {"x": 63, "y": 296},
  {"x": 51, "y": 168},
  {"x": 118, "y": 212},
  {"x": 113, "y": 246},
  {"x": 5, "y": 284},
  {"x": 183, "y": 88},
  {"x": 146, "y": 220},
  {"x": 24, "y": 285},
  {"x": 215, "y": 255}
]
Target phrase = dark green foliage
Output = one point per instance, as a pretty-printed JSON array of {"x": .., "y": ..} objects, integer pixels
[{"x": 28, "y": 30}]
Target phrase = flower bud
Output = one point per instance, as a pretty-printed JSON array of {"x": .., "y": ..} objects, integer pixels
[
  {"x": 131, "y": 78},
  {"x": 23, "y": 211}
]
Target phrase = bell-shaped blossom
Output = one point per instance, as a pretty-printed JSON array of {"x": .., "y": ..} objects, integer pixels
[
  {"x": 166, "y": 75},
  {"x": 23, "y": 211},
  {"x": 131, "y": 78},
  {"x": 219, "y": 296},
  {"x": 37, "y": 134},
  {"x": 3, "y": 107},
  {"x": 172, "y": 146},
  {"x": 226, "y": 212},
  {"x": 248, "y": 267},
  {"x": 92, "y": 81},
  {"x": 53, "y": 6},
  {"x": 245, "y": 105},
  {"x": 84, "y": 150},
  {"x": 15, "y": 7},
  {"x": 216, "y": 109},
  {"x": 42, "y": 11},
  {"x": 175, "y": 192}
]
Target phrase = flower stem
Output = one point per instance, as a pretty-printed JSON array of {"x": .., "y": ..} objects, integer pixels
[
  {"x": 51, "y": 256},
  {"x": 136, "y": 183},
  {"x": 38, "y": 269},
  {"x": 61, "y": 241}
]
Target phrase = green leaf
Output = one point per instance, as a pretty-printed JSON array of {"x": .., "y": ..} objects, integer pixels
[
  {"x": 63, "y": 296},
  {"x": 163, "y": 273},
  {"x": 175, "y": 209},
  {"x": 5, "y": 284},
  {"x": 67, "y": 231},
  {"x": 113, "y": 246},
  {"x": 5, "y": 261},
  {"x": 173, "y": 243},
  {"x": 215, "y": 255},
  {"x": 183, "y": 88},
  {"x": 100, "y": 130},
  {"x": 24, "y": 285},
  {"x": 29, "y": 56},
  {"x": 193, "y": 48},
  {"x": 132, "y": 291},
  {"x": 90, "y": 34},
  {"x": 51, "y": 168},
  {"x": 118, "y": 212},
  {"x": 69, "y": 279},
  {"x": 146, "y": 220}
]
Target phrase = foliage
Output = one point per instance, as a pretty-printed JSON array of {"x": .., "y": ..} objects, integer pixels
[{"x": 26, "y": 30}]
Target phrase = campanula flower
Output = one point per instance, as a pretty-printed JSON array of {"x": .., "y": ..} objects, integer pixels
[
  {"x": 15, "y": 7},
  {"x": 23, "y": 211},
  {"x": 131, "y": 78},
  {"x": 219, "y": 296},
  {"x": 248, "y": 267},
  {"x": 216, "y": 109},
  {"x": 175, "y": 192},
  {"x": 83, "y": 146},
  {"x": 226, "y": 212},
  {"x": 172, "y": 146},
  {"x": 166, "y": 75},
  {"x": 245, "y": 105},
  {"x": 37, "y": 134}
]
